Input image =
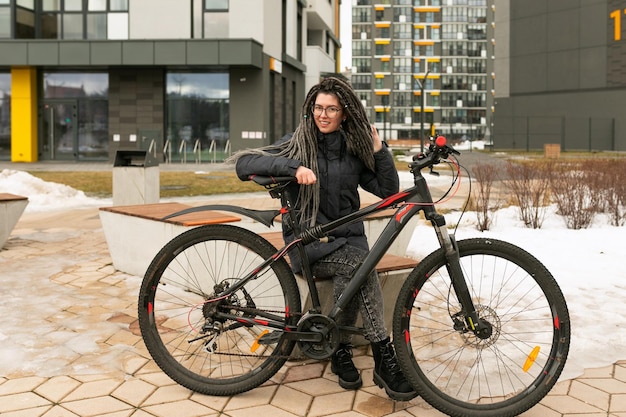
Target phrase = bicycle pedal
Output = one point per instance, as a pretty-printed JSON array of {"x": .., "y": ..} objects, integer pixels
[{"x": 270, "y": 338}]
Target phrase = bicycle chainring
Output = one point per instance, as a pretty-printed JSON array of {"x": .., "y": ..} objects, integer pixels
[{"x": 319, "y": 323}]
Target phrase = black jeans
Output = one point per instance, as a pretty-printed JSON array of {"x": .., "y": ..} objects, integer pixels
[{"x": 339, "y": 266}]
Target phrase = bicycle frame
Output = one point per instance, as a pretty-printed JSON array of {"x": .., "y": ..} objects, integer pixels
[{"x": 408, "y": 202}]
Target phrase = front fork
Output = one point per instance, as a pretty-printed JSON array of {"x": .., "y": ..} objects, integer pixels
[{"x": 480, "y": 327}]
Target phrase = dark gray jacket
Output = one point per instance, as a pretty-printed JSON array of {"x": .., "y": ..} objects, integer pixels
[{"x": 340, "y": 175}]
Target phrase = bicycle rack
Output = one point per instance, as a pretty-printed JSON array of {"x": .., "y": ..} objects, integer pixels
[
  {"x": 197, "y": 150},
  {"x": 213, "y": 151},
  {"x": 152, "y": 148},
  {"x": 182, "y": 149},
  {"x": 167, "y": 151}
]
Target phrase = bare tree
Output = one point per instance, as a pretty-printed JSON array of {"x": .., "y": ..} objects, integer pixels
[
  {"x": 484, "y": 201},
  {"x": 529, "y": 184}
]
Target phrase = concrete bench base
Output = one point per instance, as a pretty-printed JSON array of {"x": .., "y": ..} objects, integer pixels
[
  {"x": 136, "y": 233},
  {"x": 392, "y": 272},
  {"x": 11, "y": 209}
]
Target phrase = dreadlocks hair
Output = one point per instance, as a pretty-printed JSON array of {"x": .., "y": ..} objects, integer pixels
[{"x": 303, "y": 144}]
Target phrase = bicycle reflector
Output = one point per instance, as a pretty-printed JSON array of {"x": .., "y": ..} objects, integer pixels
[
  {"x": 531, "y": 359},
  {"x": 440, "y": 141}
]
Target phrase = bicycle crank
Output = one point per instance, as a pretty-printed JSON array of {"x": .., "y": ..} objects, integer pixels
[{"x": 319, "y": 324}]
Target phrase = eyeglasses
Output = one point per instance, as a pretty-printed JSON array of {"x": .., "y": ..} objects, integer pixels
[{"x": 331, "y": 112}]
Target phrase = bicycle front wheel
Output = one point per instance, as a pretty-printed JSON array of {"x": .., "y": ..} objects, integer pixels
[
  {"x": 183, "y": 322},
  {"x": 503, "y": 374}
]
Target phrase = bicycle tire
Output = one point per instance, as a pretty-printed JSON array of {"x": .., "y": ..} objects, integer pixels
[
  {"x": 460, "y": 374},
  {"x": 175, "y": 301}
]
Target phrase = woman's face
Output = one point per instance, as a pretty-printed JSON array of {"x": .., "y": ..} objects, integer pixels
[{"x": 327, "y": 113}]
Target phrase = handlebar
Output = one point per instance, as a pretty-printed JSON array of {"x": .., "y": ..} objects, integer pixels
[{"x": 437, "y": 150}]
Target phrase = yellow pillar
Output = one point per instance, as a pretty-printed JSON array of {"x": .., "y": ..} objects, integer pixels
[{"x": 23, "y": 115}]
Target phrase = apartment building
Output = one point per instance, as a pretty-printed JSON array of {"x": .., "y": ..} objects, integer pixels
[
  {"x": 421, "y": 66},
  {"x": 81, "y": 79},
  {"x": 560, "y": 74}
]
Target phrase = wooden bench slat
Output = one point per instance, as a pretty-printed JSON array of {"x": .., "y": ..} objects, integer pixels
[
  {"x": 11, "y": 197},
  {"x": 159, "y": 210}
]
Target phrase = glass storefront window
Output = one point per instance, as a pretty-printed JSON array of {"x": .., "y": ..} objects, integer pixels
[
  {"x": 5, "y": 116},
  {"x": 75, "y": 116},
  {"x": 198, "y": 109},
  {"x": 72, "y": 85}
]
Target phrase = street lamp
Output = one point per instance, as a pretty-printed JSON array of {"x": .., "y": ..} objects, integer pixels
[{"x": 422, "y": 110}]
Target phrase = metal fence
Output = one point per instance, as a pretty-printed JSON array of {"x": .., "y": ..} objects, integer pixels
[{"x": 571, "y": 133}]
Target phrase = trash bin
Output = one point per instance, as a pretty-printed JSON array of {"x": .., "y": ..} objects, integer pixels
[{"x": 135, "y": 178}]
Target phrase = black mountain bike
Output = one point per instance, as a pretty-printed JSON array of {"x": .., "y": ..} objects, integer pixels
[{"x": 481, "y": 327}]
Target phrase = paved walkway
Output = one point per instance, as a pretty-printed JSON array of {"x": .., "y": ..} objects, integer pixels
[{"x": 70, "y": 346}]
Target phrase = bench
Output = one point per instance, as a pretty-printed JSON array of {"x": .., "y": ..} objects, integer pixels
[
  {"x": 12, "y": 207},
  {"x": 392, "y": 272},
  {"x": 135, "y": 233}
]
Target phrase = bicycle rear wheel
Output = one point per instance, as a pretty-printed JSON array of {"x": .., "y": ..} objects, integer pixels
[
  {"x": 463, "y": 375},
  {"x": 180, "y": 316}
]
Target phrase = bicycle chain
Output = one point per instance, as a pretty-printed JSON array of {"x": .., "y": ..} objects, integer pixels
[{"x": 253, "y": 310}]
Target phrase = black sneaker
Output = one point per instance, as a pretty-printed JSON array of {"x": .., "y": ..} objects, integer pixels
[
  {"x": 387, "y": 372},
  {"x": 341, "y": 365}
]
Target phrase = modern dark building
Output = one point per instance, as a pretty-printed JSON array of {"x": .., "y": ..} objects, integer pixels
[
  {"x": 80, "y": 79},
  {"x": 560, "y": 74}
]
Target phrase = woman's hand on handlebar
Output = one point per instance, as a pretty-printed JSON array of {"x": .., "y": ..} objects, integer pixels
[{"x": 305, "y": 176}]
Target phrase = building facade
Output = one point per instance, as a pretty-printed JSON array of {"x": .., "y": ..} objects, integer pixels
[
  {"x": 80, "y": 79},
  {"x": 421, "y": 66},
  {"x": 560, "y": 74}
]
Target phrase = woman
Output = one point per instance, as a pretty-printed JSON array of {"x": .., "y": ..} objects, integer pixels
[{"x": 332, "y": 152}]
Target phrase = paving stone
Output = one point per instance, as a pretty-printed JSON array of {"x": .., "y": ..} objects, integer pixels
[
  {"x": 332, "y": 404},
  {"x": 17, "y": 385},
  {"x": 256, "y": 397},
  {"x": 30, "y": 412},
  {"x": 183, "y": 408},
  {"x": 618, "y": 403},
  {"x": 57, "y": 388},
  {"x": 97, "y": 406},
  {"x": 292, "y": 400},
  {"x": 59, "y": 411},
  {"x": 21, "y": 401},
  {"x": 170, "y": 393},
  {"x": 134, "y": 391},
  {"x": 299, "y": 373},
  {"x": 372, "y": 405},
  {"x": 590, "y": 395},
  {"x": 93, "y": 389},
  {"x": 565, "y": 404},
  {"x": 265, "y": 410}
]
